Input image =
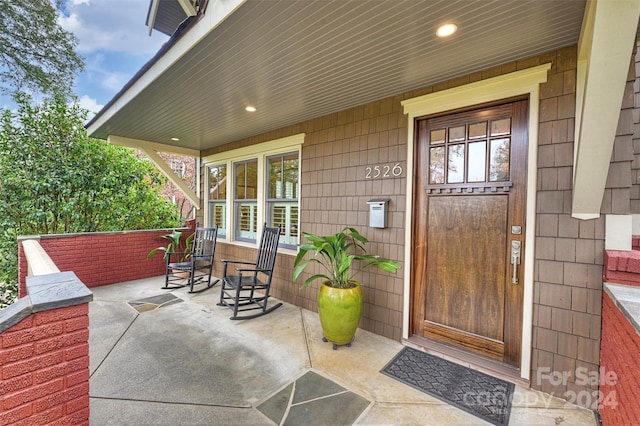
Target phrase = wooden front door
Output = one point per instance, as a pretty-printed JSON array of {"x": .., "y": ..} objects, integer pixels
[{"x": 469, "y": 210}]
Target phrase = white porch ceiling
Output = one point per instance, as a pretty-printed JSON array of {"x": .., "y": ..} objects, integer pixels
[{"x": 298, "y": 60}]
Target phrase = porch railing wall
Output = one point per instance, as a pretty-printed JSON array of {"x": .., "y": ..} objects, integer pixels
[{"x": 101, "y": 258}]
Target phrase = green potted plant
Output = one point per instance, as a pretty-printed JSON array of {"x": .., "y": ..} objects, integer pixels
[
  {"x": 174, "y": 246},
  {"x": 342, "y": 257}
]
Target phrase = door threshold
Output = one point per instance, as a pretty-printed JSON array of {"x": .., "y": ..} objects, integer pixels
[{"x": 470, "y": 360}]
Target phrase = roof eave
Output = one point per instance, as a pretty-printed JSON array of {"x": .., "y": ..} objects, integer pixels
[{"x": 195, "y": 28}]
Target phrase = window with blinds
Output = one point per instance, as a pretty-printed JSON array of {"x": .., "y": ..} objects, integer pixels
[
  {"x": 246, "y": 200},
  {"x": 218, "y": 198},
  {"x": 282, "y": 196}
]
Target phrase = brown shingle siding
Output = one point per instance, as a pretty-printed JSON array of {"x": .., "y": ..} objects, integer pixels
[
  {"x": 565, "y": 249},
  {"x": 548, "y": 109},
  {"x": 553, "y": 87},
  {"x": 568, "y": 226},
  {"x": 569, "y": 81},
  {"x": 567, "y": 288},
  {"x": 579, "y": 298},
  {"x": 576, "y": 274},
  {"x": 550, "y": 202},
  {"x": 547, "y": 225},
  {"x": 555, "y": 295},
  {"x": 545, "y": 248},
  {"x": 547, "y": 340},
  {"x": 568, "y": 345},
  {"x": 585, "y": 251},
  {"x": 589, "y": 350},
  {"x": 570, "y": 284},
  {"x": 561, "y": 320}
]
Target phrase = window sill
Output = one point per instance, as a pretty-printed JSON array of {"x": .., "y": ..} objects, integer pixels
[{"x": 284, "y": 251}]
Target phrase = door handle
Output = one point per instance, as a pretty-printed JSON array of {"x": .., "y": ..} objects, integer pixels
[{"x": 515, "y": 259}]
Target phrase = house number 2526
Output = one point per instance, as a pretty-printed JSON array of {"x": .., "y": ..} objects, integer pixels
[{"x": 383, "y": 171}]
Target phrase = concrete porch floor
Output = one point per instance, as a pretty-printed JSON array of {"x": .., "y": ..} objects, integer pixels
[{"x": 186, "y": 363}]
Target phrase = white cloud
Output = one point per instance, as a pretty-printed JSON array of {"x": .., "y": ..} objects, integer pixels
[
  {"x": 90, "y": 104},
  {"x": 112, "y": 25}
]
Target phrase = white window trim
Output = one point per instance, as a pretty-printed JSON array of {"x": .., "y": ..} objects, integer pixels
[{"x": 260, "y": 152}]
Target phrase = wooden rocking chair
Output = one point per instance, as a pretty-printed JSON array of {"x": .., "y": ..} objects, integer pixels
[
  {"x": 193, "y": 267},
  {"x": 248, "y": 288}
]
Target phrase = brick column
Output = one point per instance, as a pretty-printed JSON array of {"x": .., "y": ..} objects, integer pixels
[
  {"x": 620, "y": 367},
  {"x": 44, "y": 353}
]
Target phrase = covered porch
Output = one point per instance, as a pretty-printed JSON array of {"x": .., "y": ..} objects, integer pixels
[{"x": 185, "y": 362}]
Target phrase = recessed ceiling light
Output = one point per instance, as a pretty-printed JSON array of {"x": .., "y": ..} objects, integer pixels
[
  {"x": 251, "y": 109},
  {"x": 446, "y": 30},
  {"x": 175, "y": 139}
]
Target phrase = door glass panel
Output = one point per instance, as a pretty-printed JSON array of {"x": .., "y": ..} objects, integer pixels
[
  {"x": 457, "y": 133},
  {"x": 436, "y": 165},
  {"x": 455, "y": 170},
  {"x": 478, "y": 130},
  {"x": 501, "y": 127},
  {"x": 437, "y": 136},
  {"x": 499, "y": 161},
  {"x": 477, "y": 161}
]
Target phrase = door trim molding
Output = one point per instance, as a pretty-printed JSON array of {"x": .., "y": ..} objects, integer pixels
[{"x": 523, "y": 82}]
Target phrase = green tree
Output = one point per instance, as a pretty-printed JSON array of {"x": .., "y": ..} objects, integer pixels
[
  {"x": 55, "y": 179},
  {"x": 36, "y": 54}
]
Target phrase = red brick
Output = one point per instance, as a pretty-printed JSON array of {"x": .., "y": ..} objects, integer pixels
[
  {"x": 77, "y": 351},
  {"x": 15, "y": 415},
  {"x": 77, "y": 404},
  {"x": 61, "y": 314},
  {"x": 25, "y": 323},
  {"x": 78, "y": 323},
  {"x": 77, "y": 364},
  {"x": 61, "y": 397},
  {"x": 610, "y": 260},
  {"x": 16, "y": 353},
  {"x": 626, "y": 278},
  {"x": 16, "y": 383},
  {"x": 33, "y": 393},
  {"x": 51, "y": 373},
  {"x": 31, "y": 364},
  {"x": 633, "y": 265},
  {"x": 620, "y": 353},
  {"x": 63, "y": 341},
  {"x": 31, "y": 335},
  {"x": 44, "y": 418},
  {"x": 78, "y": 377},
  {"x": 80, "y": 417}
]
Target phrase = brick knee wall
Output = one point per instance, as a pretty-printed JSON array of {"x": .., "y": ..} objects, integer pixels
[
  {"x": 620, "y": 354},
  {"x": 44, "y": 368},
  {"x": 101, "y": 258}
]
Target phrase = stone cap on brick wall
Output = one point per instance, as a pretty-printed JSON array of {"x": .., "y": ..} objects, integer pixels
[
  {"x": 627, "y": 299},
  {"x": 46, "y": 292}
]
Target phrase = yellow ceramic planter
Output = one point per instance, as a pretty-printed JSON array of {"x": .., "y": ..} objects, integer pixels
[{"x": 339, "y": 310}]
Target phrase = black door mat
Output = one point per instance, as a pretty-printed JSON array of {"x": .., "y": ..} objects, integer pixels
[
  {"x": 313, "y": 400},
  {"x": 154, "y": 302},
  {"x": 477, "y": 393}
]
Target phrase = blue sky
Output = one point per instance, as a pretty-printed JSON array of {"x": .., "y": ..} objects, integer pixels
[{"x": 115, "y": 43}]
